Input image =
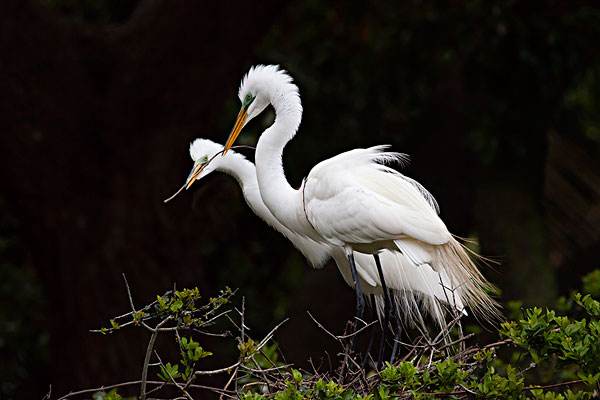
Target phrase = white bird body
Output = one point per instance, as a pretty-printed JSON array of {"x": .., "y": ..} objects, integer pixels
[
  {"x": 411, "y": 284},
  {"x": 352, "y": 201}
]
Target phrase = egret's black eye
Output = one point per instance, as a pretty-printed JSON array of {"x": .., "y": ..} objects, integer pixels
[
  {"x": 203, "y": 159},
  {"x": 248, "y": 100}
]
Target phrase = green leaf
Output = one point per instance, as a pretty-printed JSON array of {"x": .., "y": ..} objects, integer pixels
[
  {"x": 162, "y": 303},
  {"x": 176, "y": 306},
  {"x": 137, "y": 316},
  {"x": 296, "y": 375},
  {"x": 169, "y": 371}
]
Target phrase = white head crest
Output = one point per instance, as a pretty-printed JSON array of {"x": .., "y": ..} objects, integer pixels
[{"x": 264, "y": 85}]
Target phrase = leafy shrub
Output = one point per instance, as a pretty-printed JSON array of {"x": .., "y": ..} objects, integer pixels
[{"x": 545, "y": 354}]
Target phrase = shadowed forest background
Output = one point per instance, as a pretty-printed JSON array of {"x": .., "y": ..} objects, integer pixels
[{"x": 497, "y": 103}]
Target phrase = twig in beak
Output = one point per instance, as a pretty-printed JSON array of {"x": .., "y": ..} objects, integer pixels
[
  {"x": 176, "y": 193},
  {"x": 206, "y": 163}
]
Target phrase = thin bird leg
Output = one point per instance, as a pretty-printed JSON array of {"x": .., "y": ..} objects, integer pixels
[
  {"x": 373, "y": 329},
  {"x": 394, "y": 314},
  {"x": 387, "y": 298},
  {"x": 360, "y": 301},
  {"x": 387, "y": 309},
  {"x": 396, "y": 342}
]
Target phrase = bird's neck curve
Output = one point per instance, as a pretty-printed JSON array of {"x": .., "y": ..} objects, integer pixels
[
  {"x": 282, "y": 200},
  {"x": 241, "y": 169},
  {"x": 244, "y": 173}
]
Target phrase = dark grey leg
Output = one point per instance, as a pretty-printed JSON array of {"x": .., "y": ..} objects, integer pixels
[
  {"x": 395, "y": 348},
  {"x": 360, "y": 301},
  {"x": 373, "y": 329},
  {"x": 387, "y": 310}
]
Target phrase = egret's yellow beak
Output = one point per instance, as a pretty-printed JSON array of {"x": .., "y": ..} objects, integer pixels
[
  {"x": 198, "y": 167},
  {"x": 237, "y": 128}
]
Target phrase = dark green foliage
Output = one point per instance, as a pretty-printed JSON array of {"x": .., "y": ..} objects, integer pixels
[
  {"x": 574, "y": 344},
  {"x": 591, "y": 283}
]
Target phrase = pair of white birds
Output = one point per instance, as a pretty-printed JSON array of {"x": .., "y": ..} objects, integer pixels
[{"x": 352, "y": 208}]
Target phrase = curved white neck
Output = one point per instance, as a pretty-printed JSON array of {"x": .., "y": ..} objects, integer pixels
[
  {"x": 244, "y": 173},
  {"x": 282, "y": 200}
]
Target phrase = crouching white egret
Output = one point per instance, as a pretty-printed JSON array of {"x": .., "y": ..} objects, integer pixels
[
  {"x": 413, "y": 288},
  {"x": 352, "y": 200}
]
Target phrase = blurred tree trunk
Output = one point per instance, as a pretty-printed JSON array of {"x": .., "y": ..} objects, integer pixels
[
  {"x": 511, "y": 227},
  {"x": 572, "y": 198},
  {"x": 547, "y": 234},
  {"x": 95, "y": 125}
]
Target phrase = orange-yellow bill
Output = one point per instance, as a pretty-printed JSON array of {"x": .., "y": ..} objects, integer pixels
[
  {"x": 194, "y": 174},
  {"x": 237, "y": 128}
]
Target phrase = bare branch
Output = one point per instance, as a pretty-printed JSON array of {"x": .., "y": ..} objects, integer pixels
[
  {"x": 148, "y": 355},
  {"x": 129, "y": 293},
  {"x": 339, "y": 338},
  {"x": 269, "y": 335},
  {"x": 218, "y": 371}
]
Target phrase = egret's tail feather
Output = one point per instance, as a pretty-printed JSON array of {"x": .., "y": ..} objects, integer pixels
[
  {"x": 415, "y": 309},
  {"x": 467, "y": 280},
  {"x": 409, "y": 306},
  {"x": 419, "y": 292}
]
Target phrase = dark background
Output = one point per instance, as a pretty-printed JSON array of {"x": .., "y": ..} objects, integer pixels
[{"x": 497, "y": 102}]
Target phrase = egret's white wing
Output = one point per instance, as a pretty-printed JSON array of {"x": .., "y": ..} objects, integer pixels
[{"x": 353, "y": 198}]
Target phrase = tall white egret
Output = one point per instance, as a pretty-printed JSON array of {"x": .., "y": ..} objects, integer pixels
[
  {"x": 412, "y": 288},
  {"x": 352, "y": 200}
]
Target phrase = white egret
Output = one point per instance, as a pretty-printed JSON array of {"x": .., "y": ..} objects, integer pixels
[
  {"x": 412, "y": 288},
  {"x": 352, "y": 200}
]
